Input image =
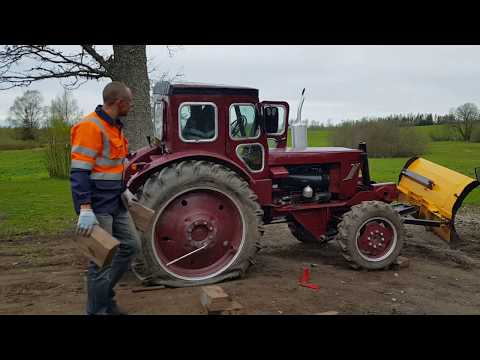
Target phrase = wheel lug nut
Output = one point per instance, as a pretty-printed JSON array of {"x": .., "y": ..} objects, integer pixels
[
  {"x": 225, "y": 243},
  {"x": 210, "y": 228}
]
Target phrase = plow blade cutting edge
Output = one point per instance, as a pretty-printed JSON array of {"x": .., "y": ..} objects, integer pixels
[{"x": 437, "y": 192}]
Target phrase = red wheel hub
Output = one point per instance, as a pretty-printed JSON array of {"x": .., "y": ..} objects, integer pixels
[
  {"x": 376, "y": 239},
  {"x": 199, "y": 218}
]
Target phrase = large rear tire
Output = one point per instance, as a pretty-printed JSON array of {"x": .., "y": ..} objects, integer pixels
[
  {"x": 371, "y": 235},
  {"x": 205, "y": 211}
]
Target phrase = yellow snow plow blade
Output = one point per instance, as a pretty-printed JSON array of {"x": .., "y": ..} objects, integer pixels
[{"x": 437, "y": 191}]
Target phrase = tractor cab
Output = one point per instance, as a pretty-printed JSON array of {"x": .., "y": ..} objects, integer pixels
[{"x": 219, "y": 121}]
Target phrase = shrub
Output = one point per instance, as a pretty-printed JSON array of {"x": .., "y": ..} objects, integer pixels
[
  {"x": 57, "y": 153},
  {"x": 443, "y": 133},
  {"x": 384, "y": 138},
  {"x": 10, "y": 141}
]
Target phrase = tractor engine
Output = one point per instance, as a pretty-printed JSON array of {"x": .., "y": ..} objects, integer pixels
[{"x": 304, "y": 184}]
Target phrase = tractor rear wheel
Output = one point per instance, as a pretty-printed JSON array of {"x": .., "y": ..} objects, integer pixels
[
  {"x": 207, "y": 222},
  {"x": 371, "y": 235},
  {"x": 300, "y": 233}
]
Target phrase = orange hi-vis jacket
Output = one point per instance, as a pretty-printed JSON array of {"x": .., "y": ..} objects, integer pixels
[
  {"x": 99, "y": 151},
  {"x": 100, "y": 147}
]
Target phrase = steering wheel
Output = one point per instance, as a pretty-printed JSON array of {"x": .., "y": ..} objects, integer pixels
[
  {"x": 198, "y": 134},
  {"x": 238, "y": 126}
]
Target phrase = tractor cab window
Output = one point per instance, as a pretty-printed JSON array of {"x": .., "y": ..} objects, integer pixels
[
  {"x": 198, "y": 122},
  {"x": 252, "y": 155},
  {"x": 243, "y": 122}
]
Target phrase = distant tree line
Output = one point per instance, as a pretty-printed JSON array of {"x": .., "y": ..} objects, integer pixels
[{"x": 462, "y": 121}]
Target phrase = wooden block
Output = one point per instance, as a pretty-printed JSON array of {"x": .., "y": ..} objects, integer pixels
[
  {"x": 328, "y": 313},
  {"x": 214, "y": 298},
  {"x": 141, "y": 215},
  {"x": 402, "y": 262},
  {"x": 99, "y": 247},
  {"x": 234, "y": 309}
]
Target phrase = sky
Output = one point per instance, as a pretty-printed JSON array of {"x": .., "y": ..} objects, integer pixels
[{"x": 342, "y": 82}]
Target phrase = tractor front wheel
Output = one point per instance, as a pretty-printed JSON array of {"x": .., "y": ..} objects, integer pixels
[
  {"x": 371, "y": 235},
  {"x": 207, "y": 222}
]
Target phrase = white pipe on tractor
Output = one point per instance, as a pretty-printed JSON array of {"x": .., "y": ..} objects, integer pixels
[{"x": 299, "y": 130}]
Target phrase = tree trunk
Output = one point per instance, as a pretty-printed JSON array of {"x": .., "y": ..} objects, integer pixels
[{"x": 130, "y": 67}]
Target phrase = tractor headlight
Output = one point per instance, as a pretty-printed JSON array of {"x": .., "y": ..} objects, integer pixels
[{"x": 158, "y": 110}]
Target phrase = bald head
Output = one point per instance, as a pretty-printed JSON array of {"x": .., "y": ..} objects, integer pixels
[
  {"x": 114, "y": 91},
  {"x": 117, "y": 99}
]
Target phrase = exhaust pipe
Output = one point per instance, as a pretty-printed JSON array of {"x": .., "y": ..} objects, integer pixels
[
  {"x": 299, "y": 130},
  {"x": 365, "y": 167}
]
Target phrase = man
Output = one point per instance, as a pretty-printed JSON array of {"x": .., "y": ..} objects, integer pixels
[{"x": 99, "y": 150}]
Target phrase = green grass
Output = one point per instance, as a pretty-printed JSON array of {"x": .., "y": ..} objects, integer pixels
[
  {"x": 31, "y": 202},
  {"x": 315, "y": 138}
]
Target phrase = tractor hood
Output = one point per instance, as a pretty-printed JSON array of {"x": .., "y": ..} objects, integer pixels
[{"x": 315, "y": 155}]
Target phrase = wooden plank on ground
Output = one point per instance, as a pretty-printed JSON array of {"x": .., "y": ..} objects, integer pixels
[
  {"x": 149, "y": 288},
  {"x": 214, "y": 298},
  {"x": 234, "y": 308}
]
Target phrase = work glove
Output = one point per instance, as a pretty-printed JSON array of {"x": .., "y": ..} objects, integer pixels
[{"x": 86, "y": 220}]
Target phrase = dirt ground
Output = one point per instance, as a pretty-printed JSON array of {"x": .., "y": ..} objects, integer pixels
[{"x": 46, "y": 275}]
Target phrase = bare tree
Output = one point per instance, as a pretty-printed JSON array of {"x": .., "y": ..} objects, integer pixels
[
  {"x": 465, "y": 117},
  {"x": 64, "y": 107},
  {"x": 126, "y": 63},
  {"x": 27, "y": 113}
]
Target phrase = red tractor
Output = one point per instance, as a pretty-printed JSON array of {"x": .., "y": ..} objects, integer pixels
[{"x": 218, "y": 168}]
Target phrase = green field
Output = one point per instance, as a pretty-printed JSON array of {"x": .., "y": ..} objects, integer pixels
[{"x": 32, "y": 203}]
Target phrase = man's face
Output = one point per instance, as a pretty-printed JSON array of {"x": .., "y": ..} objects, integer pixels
[{"x": 125, "y": 104}]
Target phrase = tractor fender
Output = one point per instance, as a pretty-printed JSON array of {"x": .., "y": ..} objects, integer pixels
[{"x": 160, "y": 161}]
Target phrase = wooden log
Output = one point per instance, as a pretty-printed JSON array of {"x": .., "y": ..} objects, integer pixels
[
  {"x": 214, "y": 298},
  {"x": 99, "y": 247}
]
